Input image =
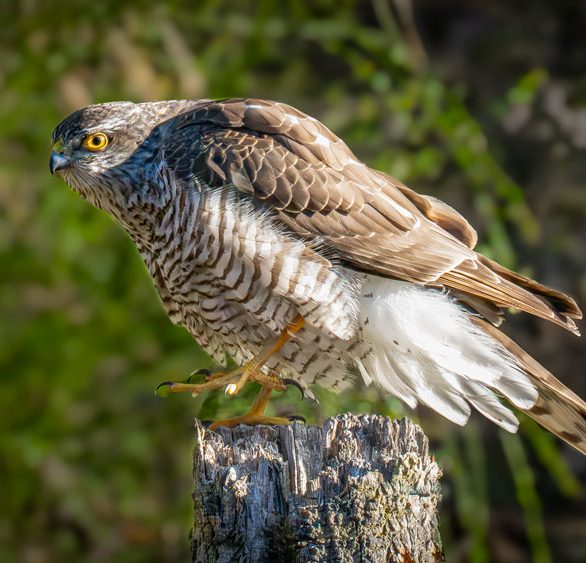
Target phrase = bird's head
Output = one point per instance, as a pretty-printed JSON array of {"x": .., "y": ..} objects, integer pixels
[
  {"x": 95, "y": 144},
  {"x": 94, "y": 140},
  {"x": 108, "y": 153}
]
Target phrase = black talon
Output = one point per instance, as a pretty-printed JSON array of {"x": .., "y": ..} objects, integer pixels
[
  {"x": 297, "y": 418},
  {"x": 295, "y": 384},
  {"x": 203, "y": 371},
  {"x": 160, "y": 392}
]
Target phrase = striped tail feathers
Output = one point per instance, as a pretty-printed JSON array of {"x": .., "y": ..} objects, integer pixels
[{"x": 558, "y": 409}]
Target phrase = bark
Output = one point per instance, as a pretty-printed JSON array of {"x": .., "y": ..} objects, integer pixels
[{"x": 361, "y": 488}]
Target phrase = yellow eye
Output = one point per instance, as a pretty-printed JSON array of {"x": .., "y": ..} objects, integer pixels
[{"x": 95, "y": 142}]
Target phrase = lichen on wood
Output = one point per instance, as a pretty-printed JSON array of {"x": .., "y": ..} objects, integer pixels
[{"x": 360, "y": 488}]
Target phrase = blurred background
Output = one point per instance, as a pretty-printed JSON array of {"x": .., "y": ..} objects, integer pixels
[{"x": 482, "y": 104}]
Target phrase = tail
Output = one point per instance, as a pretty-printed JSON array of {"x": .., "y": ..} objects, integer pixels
[
  {"x": 425, "y": 347},
  {"x": 558, "y": 409}
]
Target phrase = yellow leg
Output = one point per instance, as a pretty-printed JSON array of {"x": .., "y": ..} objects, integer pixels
[
  {"x": 251, "y": 370},
  {"x": 235, "y": 379},
  {"x": 255, "y": 415}
]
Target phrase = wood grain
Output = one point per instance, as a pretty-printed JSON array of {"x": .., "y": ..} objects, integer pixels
[{"x": 360, "y": 488}]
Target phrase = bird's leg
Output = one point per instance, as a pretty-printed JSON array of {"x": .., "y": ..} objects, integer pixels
[
  {"x": 255, "y": 415},
  {"x": 235, "y": 379},
  {"x": 252, "y": 369}
]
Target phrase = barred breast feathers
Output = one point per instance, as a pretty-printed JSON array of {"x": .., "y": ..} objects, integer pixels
[{"x": 230, "y": 243}]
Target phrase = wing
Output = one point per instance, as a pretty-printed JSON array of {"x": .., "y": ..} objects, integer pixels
[{"x": 294, "y": 166}]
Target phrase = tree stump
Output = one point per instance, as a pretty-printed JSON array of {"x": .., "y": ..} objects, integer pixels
[{"x": 361, "y": 488}]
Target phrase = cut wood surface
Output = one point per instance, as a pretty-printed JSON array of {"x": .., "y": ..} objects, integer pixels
[{"x": 360, "y": 488}]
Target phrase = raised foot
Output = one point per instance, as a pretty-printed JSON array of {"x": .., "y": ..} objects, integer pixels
[
  {"x": 231, "y": 380},
  {"x": 250, "y": 420}
]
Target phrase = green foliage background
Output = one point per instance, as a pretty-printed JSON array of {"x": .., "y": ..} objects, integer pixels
[{"x": 481, "y": 105}]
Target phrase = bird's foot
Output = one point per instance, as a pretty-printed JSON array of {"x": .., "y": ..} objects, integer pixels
[
  {"x": 233, "y": 381},
  {"x": 252, "y": 369},
  {"x": 248, "y": 372},
  {"x": 295, "y": 384},
  {"x": 215, "y": 381},
  {"x": 250, "y": 420},
  {"x": 256, "y": 414}
]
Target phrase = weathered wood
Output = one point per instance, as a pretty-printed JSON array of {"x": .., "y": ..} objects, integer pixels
[{"x": 362, "y": 488}]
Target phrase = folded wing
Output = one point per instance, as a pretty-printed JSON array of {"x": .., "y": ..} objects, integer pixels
[{"x": 292, "y": 165}]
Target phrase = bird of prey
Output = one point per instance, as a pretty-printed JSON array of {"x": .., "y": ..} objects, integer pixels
[{"x": 269, "y": 240}]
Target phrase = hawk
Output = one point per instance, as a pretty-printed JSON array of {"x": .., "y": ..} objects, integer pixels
[{"x": 267, "y": 239}]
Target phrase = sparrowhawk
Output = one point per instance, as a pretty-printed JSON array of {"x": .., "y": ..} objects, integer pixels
[{"x": 268, "y": 239}]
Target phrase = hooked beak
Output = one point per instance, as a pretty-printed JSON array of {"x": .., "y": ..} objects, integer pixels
[
  {"x": 57, "y": 162},
  {"x": 59, "y": 156}
]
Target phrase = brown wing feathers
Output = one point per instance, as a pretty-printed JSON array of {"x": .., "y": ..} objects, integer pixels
[
  {"x": 441, "y": 214},
  {"x": 295, "y": 164},
  {"x": 561, "y": 302},
  {"x": 309, "y": 178},
  {"x": 476, "y": 278}
]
